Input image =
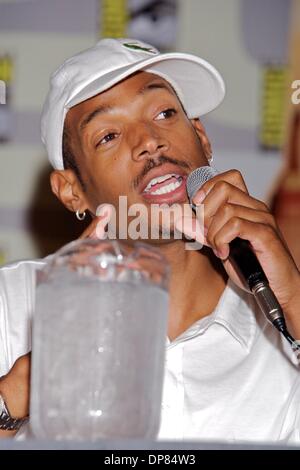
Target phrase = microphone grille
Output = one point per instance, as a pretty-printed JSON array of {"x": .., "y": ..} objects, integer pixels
[{"x": 197, "y": 178}]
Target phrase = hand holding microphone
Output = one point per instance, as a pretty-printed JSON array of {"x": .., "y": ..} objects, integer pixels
[{"x": 244, "y": 235}]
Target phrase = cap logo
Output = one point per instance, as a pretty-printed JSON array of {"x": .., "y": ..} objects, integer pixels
[{"x": 137, "y": 47}]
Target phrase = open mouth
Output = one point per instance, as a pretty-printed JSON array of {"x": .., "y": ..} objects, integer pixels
[
  {"x": 164, "y": 184},
  {"x": 169, "y": 188}
]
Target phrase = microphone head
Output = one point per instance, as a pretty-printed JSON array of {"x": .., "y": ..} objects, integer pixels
[{"x": 197, "y": 178}]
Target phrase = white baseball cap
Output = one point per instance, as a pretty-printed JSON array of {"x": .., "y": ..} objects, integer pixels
[{"x": 198, "y": 84}]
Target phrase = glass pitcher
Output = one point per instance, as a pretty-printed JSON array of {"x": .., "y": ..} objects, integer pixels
[{"x": 99, "y": 335}]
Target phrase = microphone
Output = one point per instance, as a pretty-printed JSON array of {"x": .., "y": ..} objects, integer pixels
[{"x": 245, "y": 262}]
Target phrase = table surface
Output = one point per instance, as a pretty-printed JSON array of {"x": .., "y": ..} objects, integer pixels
[{"x": 122, "y": 444}]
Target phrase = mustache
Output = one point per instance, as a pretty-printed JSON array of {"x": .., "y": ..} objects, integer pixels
[{"x": 157, "y": 163}]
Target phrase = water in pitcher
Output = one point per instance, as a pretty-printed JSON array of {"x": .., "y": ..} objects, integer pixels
[{"x": 98, "y": 357}]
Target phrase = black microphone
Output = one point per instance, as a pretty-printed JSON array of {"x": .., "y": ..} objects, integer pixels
[{"x": 245, "y": 261}]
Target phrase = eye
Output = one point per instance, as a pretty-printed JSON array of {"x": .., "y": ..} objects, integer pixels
[
  {"x": 107, "y": 138},
  {"x": 166, "y": 114}
]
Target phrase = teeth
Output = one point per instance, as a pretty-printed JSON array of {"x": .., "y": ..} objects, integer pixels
[
  {"x": 167, "y": 189},
  {"x": 159, "y": 179}
]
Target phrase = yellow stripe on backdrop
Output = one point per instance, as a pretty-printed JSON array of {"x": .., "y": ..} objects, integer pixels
[
  {"x": 6, "y": 68},
  {"x": 273, "y": 106},
  {"x": 113, "y": 18}
]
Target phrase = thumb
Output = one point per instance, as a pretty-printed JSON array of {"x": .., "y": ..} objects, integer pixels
[
  {"x": 104, "y": 213},
  {"x": 190, "y": 227}
]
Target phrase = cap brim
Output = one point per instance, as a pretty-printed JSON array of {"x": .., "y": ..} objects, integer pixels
[{"x": 198, "y": 84}]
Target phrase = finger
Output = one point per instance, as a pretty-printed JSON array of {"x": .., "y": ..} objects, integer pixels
[
  {"x": 89, "y": 230},
  {"x": 233, "y": 177},
  {"x": 261, "y": 236},
  {"x": 104, "y": 213},
  {"x": 228, "y": 211},
  {"x": 96, "y": 229},
  {"x": 190, "y": 227},
  {"x": 266, "y": 244},
  {"x": 223, "y": 193}
]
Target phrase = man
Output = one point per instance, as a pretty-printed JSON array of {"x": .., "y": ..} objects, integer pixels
[{"x": 121, "y": 119}]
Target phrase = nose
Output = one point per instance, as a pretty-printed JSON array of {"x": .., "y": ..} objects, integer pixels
[{"x": 148, "y": 143}]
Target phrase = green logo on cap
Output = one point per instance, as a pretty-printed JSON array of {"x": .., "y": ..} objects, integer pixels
[{"x": 137, "y": 47}]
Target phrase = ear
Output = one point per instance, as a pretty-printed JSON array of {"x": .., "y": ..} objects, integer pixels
[
  {"x": 200, "y": 131},
  {"x": 68, "y": 190}
]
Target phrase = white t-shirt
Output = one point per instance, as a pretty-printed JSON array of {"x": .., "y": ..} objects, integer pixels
[{"x": 229, "y": 377}]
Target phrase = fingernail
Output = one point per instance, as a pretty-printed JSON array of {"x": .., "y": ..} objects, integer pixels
[
  {"x": 191, "y": 228},
  {"x": 216, "y": 252},
  {"x": 102, "y": 214},
  {"x": 222, "y": 254},
  {"x": 104, "y": 210},
  {"x": 199, "y": 197}
]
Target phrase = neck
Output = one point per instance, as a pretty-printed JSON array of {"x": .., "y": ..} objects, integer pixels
[{"x": 197, "y": 281}]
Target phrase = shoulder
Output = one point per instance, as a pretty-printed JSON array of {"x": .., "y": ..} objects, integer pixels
[
  {"x": 19, "y": 277},
  {"x": 17, "y": 301},
  {"x": 21, "y": 266}
]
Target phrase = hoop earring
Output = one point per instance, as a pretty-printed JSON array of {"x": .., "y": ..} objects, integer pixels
[
  {"x": 210, "y": 159},
  {"x": 80, "y": 215}
]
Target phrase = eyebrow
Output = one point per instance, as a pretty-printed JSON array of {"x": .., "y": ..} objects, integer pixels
[
  {"x": 106, "y": 108},
  {"x": 155, "y": 86},
  {"x": 93, "y": 114}
]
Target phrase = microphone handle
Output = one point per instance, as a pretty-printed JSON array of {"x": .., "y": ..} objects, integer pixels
[
  {"x": 251, "y": 272},
  {"x": 246, "y": 263}
]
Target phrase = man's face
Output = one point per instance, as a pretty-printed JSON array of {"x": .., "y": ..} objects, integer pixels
[{"x": 135, "y": 140}]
